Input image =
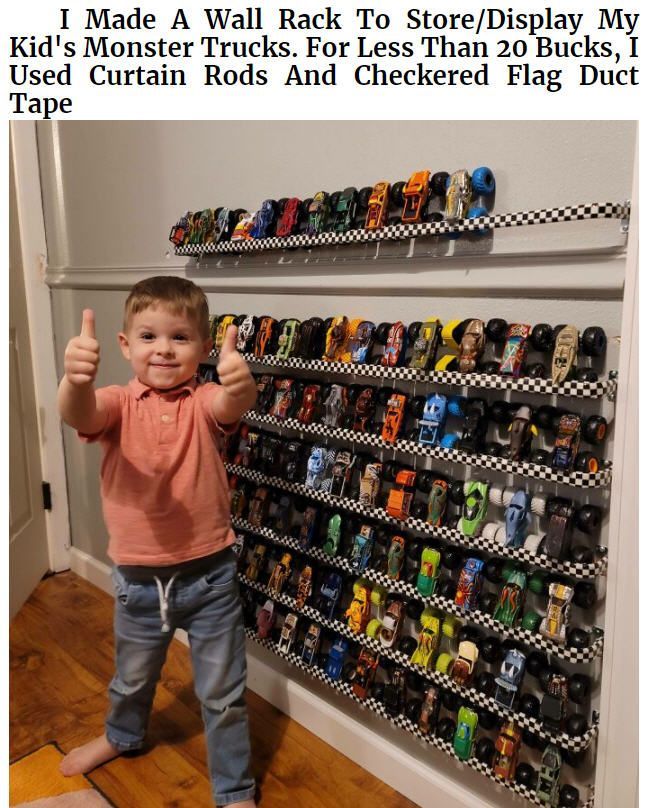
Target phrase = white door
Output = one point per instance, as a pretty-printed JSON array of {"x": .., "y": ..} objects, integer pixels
[{"x": 28, "y": 553}]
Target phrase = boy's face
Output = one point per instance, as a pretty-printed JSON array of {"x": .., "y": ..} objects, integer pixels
[{"x": 163, "y": 348}]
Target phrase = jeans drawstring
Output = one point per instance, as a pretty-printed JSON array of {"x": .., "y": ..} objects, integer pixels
[{"x": 163, "y": 596}]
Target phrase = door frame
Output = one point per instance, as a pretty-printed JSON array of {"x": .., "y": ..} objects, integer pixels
[{"x": 33, "y": 245}]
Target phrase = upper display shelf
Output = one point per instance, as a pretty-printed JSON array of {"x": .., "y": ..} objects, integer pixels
[{"x": 400, "y": 231}]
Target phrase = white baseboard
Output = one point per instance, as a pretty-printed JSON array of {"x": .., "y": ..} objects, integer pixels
[{"x": 421, "y": 773}]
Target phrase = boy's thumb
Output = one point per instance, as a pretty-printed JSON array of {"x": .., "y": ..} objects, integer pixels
[
  {"x": 87, "y": 326},
  {"x": 229, "y": 342}
]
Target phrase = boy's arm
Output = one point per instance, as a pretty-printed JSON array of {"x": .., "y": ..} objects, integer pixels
[
  {"x": 238, "y": 388},
  {"x": 77, "y": 403}
]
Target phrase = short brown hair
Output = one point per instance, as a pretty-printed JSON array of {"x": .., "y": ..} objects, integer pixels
[{"x": 179, "y": 295}]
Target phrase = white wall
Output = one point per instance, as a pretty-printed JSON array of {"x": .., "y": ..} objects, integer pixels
[{"x": 112, "y": 190}]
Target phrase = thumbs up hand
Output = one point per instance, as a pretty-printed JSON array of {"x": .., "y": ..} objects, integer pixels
[
  {"x": 82, "y": 353},
  {"x": 236, "y": 380}
]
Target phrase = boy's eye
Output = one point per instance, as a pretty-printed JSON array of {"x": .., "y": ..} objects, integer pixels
[
  {"x": 181, "y": 337},
  {"x": 148, "y": 336}
]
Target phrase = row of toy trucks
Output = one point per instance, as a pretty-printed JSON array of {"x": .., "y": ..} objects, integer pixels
[
  {"x": 340, "y": 339},
  {"x": 460, "y": 195},
  {"x": 502, "y": 755}
]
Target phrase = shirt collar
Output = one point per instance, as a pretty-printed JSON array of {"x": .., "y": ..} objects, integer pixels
[{"x": 140, "y": 389}]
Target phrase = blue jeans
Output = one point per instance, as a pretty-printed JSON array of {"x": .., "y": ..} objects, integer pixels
[{"x": 208, "y": 607}]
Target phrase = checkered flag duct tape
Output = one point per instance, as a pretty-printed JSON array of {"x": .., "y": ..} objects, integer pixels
[
  {"x": 572, "y": 388},
  {"x": 534, "y": 471},
  {"x": 572, "y": 743},
  {"x": 395, "y": 232},
  {"x": 573, "y": 569},
  {"x": 399, "y": 721}
]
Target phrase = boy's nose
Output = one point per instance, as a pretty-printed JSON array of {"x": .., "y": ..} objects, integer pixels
[{"x": 165, "y": 347}]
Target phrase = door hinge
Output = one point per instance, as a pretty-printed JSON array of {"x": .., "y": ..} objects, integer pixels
[{"x": 47, "y": 496}]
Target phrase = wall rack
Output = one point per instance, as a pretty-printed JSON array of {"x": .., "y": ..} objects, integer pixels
[
  {"x": 575, "y": 389},
  {"x": 401, "y": 722},
  {"x": 569, "y": 568},
  {"x": 579, "y": 479},
  {"x": 561, "y": 739},
  {"x": 474, "y": 616},
  {"x": 395, "y": 232}
]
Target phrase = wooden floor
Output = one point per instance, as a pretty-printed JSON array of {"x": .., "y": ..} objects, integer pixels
[{"x": 61, "y": 663}]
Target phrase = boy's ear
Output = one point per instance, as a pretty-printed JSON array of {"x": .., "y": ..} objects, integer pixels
[{"x": 123, "y": 344}]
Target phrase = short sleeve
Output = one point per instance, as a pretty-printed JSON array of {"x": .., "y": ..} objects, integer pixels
[
  {"x": 206, "y": 394},
  {"x": 111, "y": 400}
]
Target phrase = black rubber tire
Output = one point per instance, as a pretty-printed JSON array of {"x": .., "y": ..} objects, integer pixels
[
  {"x": 500, "y": 412},
  {"x": 544, "y": 416},
  {"x": 397, "y": 194},
  {"x": 456, "y": 493},
  {"x": 489, "y": 368},
  {"x": 493, "y": 570},
  {"x": 425, "y": 480},
  {"x": 540, "y": 457},
  {"x": 588, "y": 518},
  {"x": 488, "y": 602},
  {"x": 529, "y": 705},
  {"x": 581, "y": 554},
  {"x": 542, "y": 338},
  {"x": 485, "y": 683},
  {"x": 536, "y": 370},
  {"x": 452, "y": 558},
  {"x": 334, "y": 199},
  {"x": 536, "y": 662},
  {"x": 494, "y": 449},
  {"x": 446, "y": 729},
  {"x": 447, "y": 589},
  {"x": 491, "y": 650},
  {"x": 484, "y": 749},
  {"x": 382, "y": 333},
  {"x": 451, "y": 701},
  {"x": 577, "y": 638},
  {"x": 579, "y": 688},
  {"x": 416, "y": 406},
  {"x": 414, "y": 330},
  {"x": 585, "y": 595},
  {"x": 594, "y": 341},
  {"x": 438, "y": 183},
  {"x": 594, "y": 429},
  {"x": 526, "y": 776},
  {"x": 586, "y": 375},
  {"x": 363, "y": 197},
  {"x": 576, "y": 725},
  {"x": 569, "y": 796},
  {"x": 495, "y": 329},
  {"x": 585, "y": 461}
]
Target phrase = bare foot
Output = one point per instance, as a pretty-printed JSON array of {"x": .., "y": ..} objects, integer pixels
[
  {"x": 87, "y": 757},
  {"x": 245, "y": 804}
]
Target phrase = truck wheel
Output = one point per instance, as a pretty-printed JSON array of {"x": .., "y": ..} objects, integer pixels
[
  {"x": 444, "y": 663},
  {"x": 542, "y": 338},
  {"x": 496, "y": 329},
  {"x": 594, "y": 341},
  {"x": 585, "y": 461},
  {"x": 397, "y": 194},
  {"x": 483, "y": 181},
  {"x": 594, "y": 429},
  {"x": 438, "y": 183}
]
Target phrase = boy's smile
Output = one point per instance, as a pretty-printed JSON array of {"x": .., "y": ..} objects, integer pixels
[{"x": 163, "y": 348}]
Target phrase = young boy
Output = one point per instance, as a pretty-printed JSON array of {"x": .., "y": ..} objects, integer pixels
[{"x": 166, "y": 506}]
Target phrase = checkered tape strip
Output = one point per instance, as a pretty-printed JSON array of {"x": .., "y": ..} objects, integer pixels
[
  {"x": 574, "y": 744},
  {"x": 571, "y": 568},
  {"x": 437, "y": 601},
  {"x": 522, "y": 468},
  {"x": 571, "y": 388},
  {"x": 394, "y": 232},
  {"x": 399, "y": 721}
]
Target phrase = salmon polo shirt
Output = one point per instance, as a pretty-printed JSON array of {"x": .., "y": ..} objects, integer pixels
[{"x": 163, "y": 485}]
